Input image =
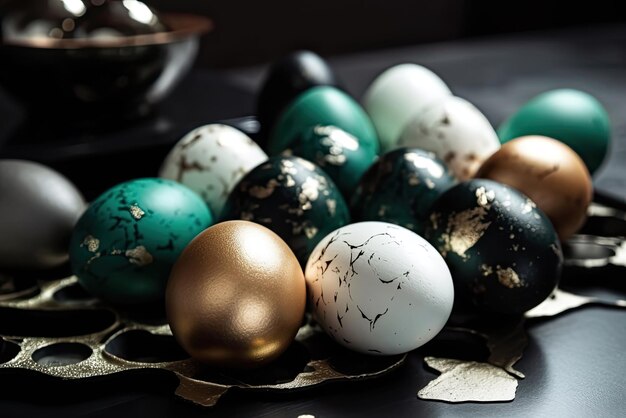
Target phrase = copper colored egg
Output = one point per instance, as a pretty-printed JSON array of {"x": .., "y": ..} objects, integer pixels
[
  {"x": 236, "y": 296},
  {"x": 550, "y": 173}
]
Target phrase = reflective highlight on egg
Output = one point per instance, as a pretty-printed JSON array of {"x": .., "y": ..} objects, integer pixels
[
  {"x": 398, "y": 95},
  {"x": 210, "y": 160},
  {"x": 457, "y": 132},
  {"x": 236, "y": 296},
  {"x": 550, "y": 173},
  {"x": 401, "y": 187},
  {"x": 378, "y": 288},
  {"x": 502, "y": 251}
]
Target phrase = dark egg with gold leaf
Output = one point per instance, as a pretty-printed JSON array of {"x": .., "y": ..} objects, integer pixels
[
  {"x": 292, "y": 197},
  {"x": 503, "y": 253}
]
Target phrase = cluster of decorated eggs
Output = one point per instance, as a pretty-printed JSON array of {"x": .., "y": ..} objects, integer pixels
[{"x": 384, "y": 215}]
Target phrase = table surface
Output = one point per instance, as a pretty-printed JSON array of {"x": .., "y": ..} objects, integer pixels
[{"x": 575, "y": 364}]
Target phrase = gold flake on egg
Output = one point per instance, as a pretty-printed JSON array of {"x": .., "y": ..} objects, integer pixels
[
  {"x": 139, "y": 256},
  {"x": 528, "y": 206},
  {"x": 508, "y": 277},
  {"x": 484, "y": 197},
  {"x": 331, "y": 204},
  {"x": 92, "y": 243},
  {"x": 310, "y": 190},
  {"x": 261, "y": 192},
  {"x": 136, "y": 212},
  {"x": 463, "y": 231}
]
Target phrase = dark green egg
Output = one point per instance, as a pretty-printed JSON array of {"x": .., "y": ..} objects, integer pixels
[
  {"x": 124, "y": 245},
  {"x": 401, "y": 188},
  {"x": 337, "y": 152},
  {"x": 502, "y": 251},
  {"x": 292, "y": 197}
]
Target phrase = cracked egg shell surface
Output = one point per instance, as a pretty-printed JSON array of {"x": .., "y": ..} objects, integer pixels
[
  {"x": 210, "y": 160},
  {"x": 456, "y": 131},
  {"x": 502, "y": 251},
  {"x": 124, "y": 245},
  {"x": 379, "y": 288},
  {"x": 292, "y": 197}
]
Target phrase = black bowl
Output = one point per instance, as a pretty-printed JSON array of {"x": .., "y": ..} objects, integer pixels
[{"x": 86, "y": 81}]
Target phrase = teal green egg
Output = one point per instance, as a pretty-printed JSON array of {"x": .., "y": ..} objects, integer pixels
[
  {"x": 322, "y": 106},
  {"x": 571, "y": 116},
  {"x": 294, "y": 198},
  {"x": 401, "y": 188},
  {"x": 124, "y": 245},
  {"x": 337, "y": 152}
]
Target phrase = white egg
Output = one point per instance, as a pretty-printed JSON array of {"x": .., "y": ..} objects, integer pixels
[
  {"x": 457, "y": 132},
  {"x": 211, "y": 160},
  {"x": 397, "y": 95},
  {"x": 379, "y": 288}
]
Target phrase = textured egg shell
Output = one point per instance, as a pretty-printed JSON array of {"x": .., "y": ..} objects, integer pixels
[
  {"x": 236, "y": 296},
  {"x": 502, "y": 251},
  {"x": 38, "y": 210},
  {"x": 550, "y": 173},
  {"x": 337, "y": 152},
  {"x": 322, "y": 106},
  {"x": 401, "y": 187},
  {"x": 292, "y": 197},
  {"x": 399, "y": 94},
  {"x": 457, "y": 132},
  {"x": 379, "y": 288},
  {"x": 125, "y": 244},
  {"x": 286, "y": 79},
  {"x": 571, "y": 116},
  {"x": 210, "y": 160}
]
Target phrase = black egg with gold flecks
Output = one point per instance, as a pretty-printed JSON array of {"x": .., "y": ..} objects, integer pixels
[
  {"x": 337, "y": 152},
  {"x": 292, "y": 197},
  {"x": 401, "y": 188},
  {"x": 503, "y": 253}
]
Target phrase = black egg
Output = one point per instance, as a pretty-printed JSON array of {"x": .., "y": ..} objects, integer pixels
[
  {"x": 502, "y": 251},
  {"x": 292, "y": 197},
  {"x": 287, "y": 78}
]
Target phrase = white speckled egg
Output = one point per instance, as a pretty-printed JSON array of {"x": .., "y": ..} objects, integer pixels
[
  {"x": 211, "y": 160},
  {"x": 397, "y": 95},
  {"x": 379, "y": 288},
  {"x": 457, "y": 132}
]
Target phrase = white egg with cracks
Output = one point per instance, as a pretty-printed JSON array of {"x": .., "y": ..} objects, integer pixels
[
  {"x": 379, "y": 288},
  {"x": 457, "y": 132},
  {"x": 211, "y": 160},
  {"x": 399, "y": 94}
]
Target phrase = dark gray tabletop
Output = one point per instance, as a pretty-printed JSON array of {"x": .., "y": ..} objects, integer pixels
[{"x": 575, "y": 364}]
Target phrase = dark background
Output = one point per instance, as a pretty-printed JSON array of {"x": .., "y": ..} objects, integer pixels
[{"x": 251, "y": 32}]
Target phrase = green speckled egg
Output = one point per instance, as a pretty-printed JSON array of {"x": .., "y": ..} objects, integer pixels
[
  {"x": 401, "y": 188},
  {"x": 571, "y": 116},
  {"x": 292, "y": 197},
  {"x": 337, "y": 152},
  {"x": 125, "y": 244},
  {"x": 502, "y": 251},
  {"x": 322, "y": 105}
]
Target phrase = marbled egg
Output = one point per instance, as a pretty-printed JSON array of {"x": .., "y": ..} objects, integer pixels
[
  {"x": 571, "y": 116},
  {"x": 378, "y": 288},
  {"x": 210, "y": 160},
  {"x": 457, "y": 132},
  {"x": 286, "y": 79},
  {"x": 125, "y": 244},
  {"x": 401, "y": 187},
  {"x": 38, "y": 210},
  {"x": 292, "y": 197},
  {"x": 503, "y": 253},
  {"x": 399, "y": 94},
  {"x": 337, "y": 152},
  {"x": 322, "y": 106}
]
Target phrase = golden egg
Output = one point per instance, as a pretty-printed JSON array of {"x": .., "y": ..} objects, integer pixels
[
  {"x": 550, "y": 173},
  {"x": 236, "y": 296}
]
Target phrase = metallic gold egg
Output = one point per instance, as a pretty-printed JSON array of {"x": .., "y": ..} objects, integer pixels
[
  {"x": 548, "y": 172},
  {"x": 236, "y": 296}
]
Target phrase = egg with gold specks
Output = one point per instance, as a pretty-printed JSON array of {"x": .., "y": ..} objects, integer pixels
[
  {"x": 292, "y": 197},
  {"x": 401, "y": 187},
  {"x": 457, "y": 132},
  {"x": 337, "y": 152},
  {"x": 503, "y": 253},
  {"x": 210, "y": 160},
  {"x": 125, "y": 244}
]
